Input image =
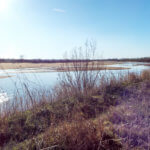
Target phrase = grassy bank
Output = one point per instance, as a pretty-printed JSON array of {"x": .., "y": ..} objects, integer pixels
[{"x": 114, "y": 115}]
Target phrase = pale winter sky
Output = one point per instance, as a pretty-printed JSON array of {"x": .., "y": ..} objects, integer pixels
[{"x": 49, "y": 28}]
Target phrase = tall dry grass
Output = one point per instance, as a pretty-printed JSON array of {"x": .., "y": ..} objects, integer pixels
[
  {"x": 77, "y": 135},
  {"x": 67, "y": 117},
  {"x": 18, "y": 125}
]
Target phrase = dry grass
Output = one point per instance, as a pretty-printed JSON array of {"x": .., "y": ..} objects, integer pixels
[
  {"x": 3, "y": 77},
  {"x": 70, "y": 121},
  {"x": 27, "y": 65},
  {"x": 77, "y": 135},
  {"x": 131, "y": 118},
  {"x": 86, "y": 110},
  {"x": 45, "y": 65},
  {"x": 64, "y": 69}
]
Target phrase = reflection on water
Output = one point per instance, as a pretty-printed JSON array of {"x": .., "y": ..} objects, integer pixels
[{"x": 47, "y": 78}]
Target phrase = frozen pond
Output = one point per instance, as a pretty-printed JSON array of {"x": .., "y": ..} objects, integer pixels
[{"x": 47, "y": 78}]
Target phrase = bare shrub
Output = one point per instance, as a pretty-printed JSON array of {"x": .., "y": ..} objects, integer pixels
[{"x": 81, "y": 76}]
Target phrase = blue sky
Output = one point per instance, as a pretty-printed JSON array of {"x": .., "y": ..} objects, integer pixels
[{"x": 49, "y": 28}]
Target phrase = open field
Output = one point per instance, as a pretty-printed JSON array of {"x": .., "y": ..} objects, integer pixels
[
  {"x": 27, "y": 65},
  {"x": 58, "y": 66},
  {"x": 42, "y": 65},
  {"x": 2, "y": 77}
]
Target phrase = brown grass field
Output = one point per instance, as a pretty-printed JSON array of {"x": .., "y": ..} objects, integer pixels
[
  {"x": 2, "y": 77},
  {"x": 56, "y": 66}
]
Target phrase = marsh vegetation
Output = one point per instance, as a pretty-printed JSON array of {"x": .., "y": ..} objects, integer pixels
[{"x": 85, "y": 110}]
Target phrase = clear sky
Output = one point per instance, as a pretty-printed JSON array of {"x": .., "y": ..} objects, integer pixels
[{"x": 49, "y": 28}]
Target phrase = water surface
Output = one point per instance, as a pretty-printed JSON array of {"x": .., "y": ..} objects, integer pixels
[{"x": 43, "y": 77}]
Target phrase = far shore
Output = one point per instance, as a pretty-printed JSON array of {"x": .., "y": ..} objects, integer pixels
[
  {"x": 56, "y": 67},
  {"x": 97, "y": 68},
  {"x": 47, "y": 65},
  {"x": 3, "y": 77},
  {"x": 142, "y": 64}
]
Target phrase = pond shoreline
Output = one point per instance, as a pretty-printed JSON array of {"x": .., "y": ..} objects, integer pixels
[
  {"x": 3, "y": 77},
  {"x": 43, "y": 65}
]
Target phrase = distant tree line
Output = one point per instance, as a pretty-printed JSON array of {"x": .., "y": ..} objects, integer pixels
[
  {"x": 40, "y": 60},
  {"x": 144, "y": 59}
]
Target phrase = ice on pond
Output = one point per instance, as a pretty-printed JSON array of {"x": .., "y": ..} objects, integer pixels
[{"x": 3, "y": 97}]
